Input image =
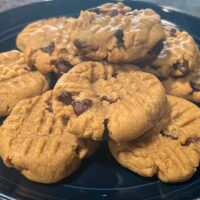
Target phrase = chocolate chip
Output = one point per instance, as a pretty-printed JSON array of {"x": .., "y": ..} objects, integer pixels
[
  {"x": 152, "y": 54},
  {"x": 95, "y": 10},
  {"x": 191, "y": 140},
  {"x": 168, "y": 135},
  {"x": 195, "y": 83},
  {"x": 105, "y": 98},
  {"x": 66, "y": 98},
  {"x": 156, "y": 49},
  {"x": 154, "y": 67},
  {"x": 62, "y": 66},
  {"x": 113, "y": 13},
  {"x": 183, "y": 68},
  {"x": 30, "y": 68},
  {"x": 173, "y": 32},
  {"x": 114, "y": 74},
  {"x": 49, "y": 48},
  {"x": 78, "y": 44},
  {"x": 81, "y": 106},
  {"x": 119, "y": 34}
]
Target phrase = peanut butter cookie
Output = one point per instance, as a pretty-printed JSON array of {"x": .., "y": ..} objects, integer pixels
[
  {"x": 171, "y": 150},
  {"x": 17, "y": 81},
  {"x": 95, "y": 96},
  {"x": 36, "y": 143}
]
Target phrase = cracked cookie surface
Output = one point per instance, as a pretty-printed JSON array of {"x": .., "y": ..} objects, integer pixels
[
  {"x": 17, "y": 81},
  {"x": 95, "y": 96},
  {"x": 120, "y": 38},
  {"x": 36, "y": 143},
  {"x": 171, "y": 150}
]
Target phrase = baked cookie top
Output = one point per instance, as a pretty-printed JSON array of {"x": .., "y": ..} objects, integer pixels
[
  {"x": 119, "y": 38},
  {"x": 179, "y": 57},
  {"x": 35, "y": 141},
  {"x": 25, "y": 35},
  {"x": 95, "y": 96},
  {"x": 18, "y": 81},
  {"x": 111, "y": 9},
  {"x": 171, "y": 150}
]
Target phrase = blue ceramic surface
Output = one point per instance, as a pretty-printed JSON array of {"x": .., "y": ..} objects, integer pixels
[{"x": 99, "y": 177}]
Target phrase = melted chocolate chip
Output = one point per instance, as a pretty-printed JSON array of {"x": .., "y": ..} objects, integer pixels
[
  {"x": 183, "y": 68},
  {"x": 119, "y": 34},
  {"x": 66, "y": 98},
  {"x": 195, "y": 83},
  {"x": 114, "y": 74},
  {"x": 191, "y": 140},
  {"x": 62, "y": 66},
  {"x": 31, "y": 68},
  {"x": 78, "y": 44},
  {"x": 168, "y": 135},
  {"x": 156, "y": 49},
  {"x": 49, "y": 48},
  {"x": 154, "y": 67},
  {"x": 113, "y": 13},
  {"x": 173, "y": 32},
  {"x": 95, "y": 10},
  {"x": 81, "y": 106},
  {"x": 105, "y": 98},
  {"x": 152, "y": 54}
]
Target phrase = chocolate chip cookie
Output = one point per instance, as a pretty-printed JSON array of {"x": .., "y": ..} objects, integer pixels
[
  {"x": 95, "y": 96},
  {"x": 18, "y": 81},
  {"x": 111, "y": 9},
  {"x": 23, "y": 37},
  {"x": 35, "y": 142},
  {"x": 135, "y": 35},
  {"x": 179, "y": 57},
  {"x": 171, "y": 150}
]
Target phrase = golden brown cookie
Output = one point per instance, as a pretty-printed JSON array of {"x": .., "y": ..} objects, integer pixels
[
  {"x": 121, "y": 38},
  {"x": 36, "y": 143},
  {"x": 171, "y": 150},
  {"x": 179, "y": 57},
  {"x": 95, "y": 96},
  {"x": 17, "y": 81},
  {"x": 111, "y": 9}
]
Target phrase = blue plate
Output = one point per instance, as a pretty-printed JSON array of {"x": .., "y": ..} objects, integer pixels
[{"x": 99, "y": 177}]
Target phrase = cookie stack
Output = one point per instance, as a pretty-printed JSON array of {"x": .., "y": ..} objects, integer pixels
[{"x": 115, "y": 70}]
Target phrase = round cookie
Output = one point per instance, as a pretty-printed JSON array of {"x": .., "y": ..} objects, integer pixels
[
  {"x": 111, "y": 9},
  {"x": 47, "y": 47},
  {"x": 179, "y": 57},
  {"x": 171, "y": 150},
  {"x": 23, "y": 37},
  {"x": 95, "y": 96},
  {"x": 36, "y": 143},
  {"x": 17, "y": 81},
  {"x": 136, "y": 35}
]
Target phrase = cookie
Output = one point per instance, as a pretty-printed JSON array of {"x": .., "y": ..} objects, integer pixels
[
  {"x": 171, "y": 150},
  {"x": 179, "y": 57},
  {"x": 17, "y": 81},
  {"x": 135, "y": 35},
  {"x": 95, "y": 96},
  {"x": 35, "y": 142},
  {"x": 25, "y": 35},
  {"x": 187, "y": 87},
  {"x": 111, "y": 9}
]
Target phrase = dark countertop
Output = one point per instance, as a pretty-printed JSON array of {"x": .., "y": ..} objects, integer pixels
[{"x": 190, "y": 6}]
